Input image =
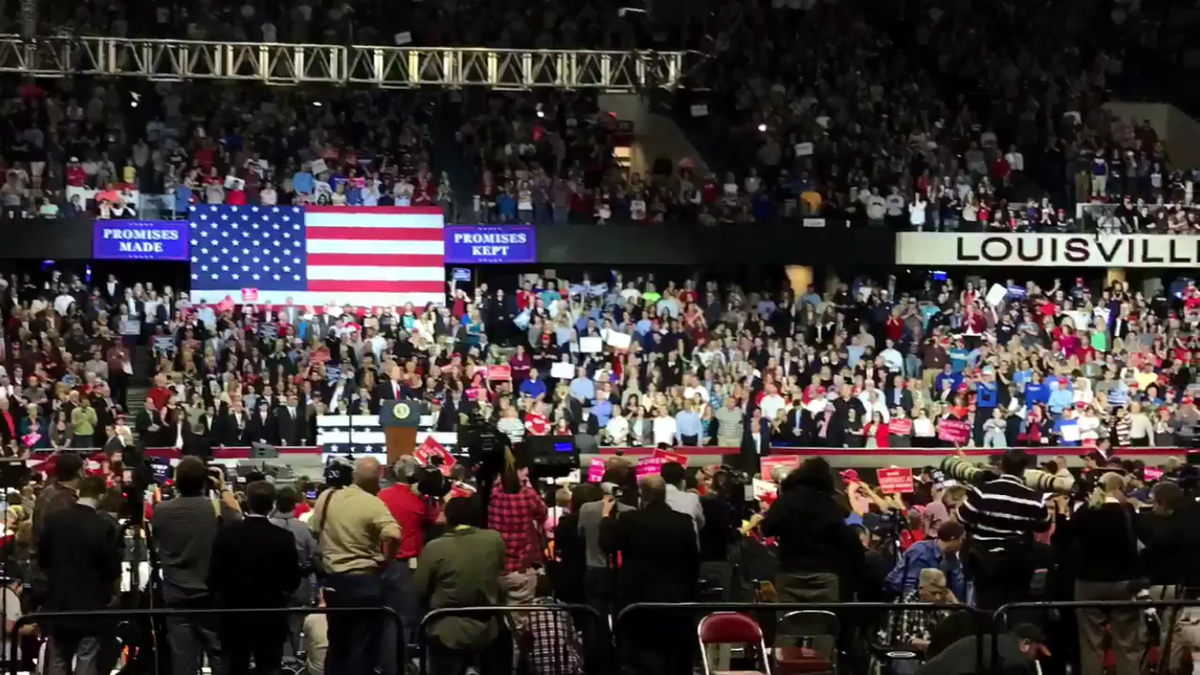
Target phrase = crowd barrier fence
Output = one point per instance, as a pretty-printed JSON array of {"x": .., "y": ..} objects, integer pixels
[
  {"x": 768, "y": 613},
  {"x": 594, "y": 630},
  {"x": 116, "y": 616},
  {"x": 1032, "y": 610}
]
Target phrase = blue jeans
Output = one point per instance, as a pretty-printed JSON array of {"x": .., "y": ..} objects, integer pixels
[
  {"x": 401, "y": 596},
  {"x": 354, "y": 637}
]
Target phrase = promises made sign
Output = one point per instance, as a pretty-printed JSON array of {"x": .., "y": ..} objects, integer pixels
[
  {"x": 140, "y": 240},
  {"x": 490, "y": 244}
]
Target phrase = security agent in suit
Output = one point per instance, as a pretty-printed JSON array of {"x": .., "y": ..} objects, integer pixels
[
  {"x": 254, "y": 565},
  {"x": 80, "y": 551},
  {"x": 660, "y": 562},
  {"x": 290, "y": 422}
]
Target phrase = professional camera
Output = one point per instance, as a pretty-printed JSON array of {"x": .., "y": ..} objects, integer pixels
[
  {"x": 339, "y": 472},
  {"x": 963, "y": 471}
]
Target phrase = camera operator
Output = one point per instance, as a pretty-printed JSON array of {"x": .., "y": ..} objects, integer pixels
[
  {"x": 184, "y": 531},
  {"x": 349, "y": 524},
  {"x": 660, "y": 562},
  {"x": 618, "y": 484},
  {"x": 815, "y": 543},
  {"x": 1001, "y": 515},
  {"x": 1106, "y": 567},
  {"x": 720, "y": 534}
]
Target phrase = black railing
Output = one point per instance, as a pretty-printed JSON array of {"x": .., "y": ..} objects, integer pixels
[
  {"x": 1000, "y": 618},
  {"x": 118, "y": 615},
  {"x": 856, "y": 609},
  {"x": 526, "y": 624}
]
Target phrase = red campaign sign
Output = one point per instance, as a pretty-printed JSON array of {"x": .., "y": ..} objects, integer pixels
[
  {"x": 225, "y": 305},
  {"x": 650, "y": 466},
  {"x": 502, "y": 373},
  {"x": 953, "y": 431},
  {"x": 249, "y": 295},
  {"x": 430, "y": 449},
  {"x": 769, "y": 464},
  {"x": 1152, "y": 473},
  {"x": 895, "y": 481},
  {"x": 321, "y": 355},
  {"x": 596, "y": 470},
  {"x": 900, "y": 427},
  {"x": 667, "y": 456}
]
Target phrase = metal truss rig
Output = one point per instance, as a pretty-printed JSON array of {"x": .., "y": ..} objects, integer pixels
[{"x": 379, "y": 66}]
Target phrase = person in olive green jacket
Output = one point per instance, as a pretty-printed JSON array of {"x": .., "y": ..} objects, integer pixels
[
  {"x": 83, "y": 421},
  {"x": 462, "y": 568}
]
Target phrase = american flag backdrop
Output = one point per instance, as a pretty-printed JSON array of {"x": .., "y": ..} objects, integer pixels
[{"x": 318, "y": 255}]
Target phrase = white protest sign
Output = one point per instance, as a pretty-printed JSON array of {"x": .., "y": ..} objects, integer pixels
[{"x": 618, "y": 340}]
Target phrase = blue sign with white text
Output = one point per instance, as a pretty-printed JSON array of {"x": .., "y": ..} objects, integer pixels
[
  {"x": 140, "y": 240},
  {"x": 476, "y": 244}
]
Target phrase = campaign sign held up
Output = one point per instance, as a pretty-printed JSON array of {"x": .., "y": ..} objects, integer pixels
[{"x": 404, "y": 413}]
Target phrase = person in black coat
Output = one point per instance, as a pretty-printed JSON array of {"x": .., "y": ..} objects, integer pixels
[
  {"x": 152, "y": 427},
  {"x": 660, "y": 562},
  {"x": 292, "y": 429},
  {"x": 254, "y": 565},
  {"x": 388, "y": 389},
  {"x": 817, "y": 549},
  {"x": 80, "y": 551},
  {"x": 262, "y": 427},
  {"x": 234, "y": 426}
]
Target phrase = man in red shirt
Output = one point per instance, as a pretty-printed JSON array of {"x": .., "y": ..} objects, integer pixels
[
  {"x": 160, "y": 394},
  {"x": 413, "y": 513}
]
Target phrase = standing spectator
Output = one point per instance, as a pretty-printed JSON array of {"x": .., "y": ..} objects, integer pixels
[
  {"x": 308, "y": 555},
  {"x": 660, "y": 562},
  {"x": 80, "y": 552},
  {"x": 815, "y": 543},
  {"x": 185, "y": 529},
  {"x": 58, "y": 495},
  {"x": 413, "y": 514},
  {"x": 518, "y": 513},
  {"x": 687, "y": 503},
  {"x": 1001, "y": 516},
  {"x": 1106, "y": 563},
  {"x": 254, "y": 565},
  {"x": 462, "y": 568},
  {"x": 349, "y": 524}
]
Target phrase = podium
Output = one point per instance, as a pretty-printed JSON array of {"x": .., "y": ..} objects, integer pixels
[{"x": 400, "y": 420}]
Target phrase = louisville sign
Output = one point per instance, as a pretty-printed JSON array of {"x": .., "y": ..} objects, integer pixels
[{"x": 1046, "y": 250}]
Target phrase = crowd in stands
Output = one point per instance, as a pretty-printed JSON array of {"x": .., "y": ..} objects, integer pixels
[
  {"x": 868, "y": 365},
  {"x": 649, "y": 362}
]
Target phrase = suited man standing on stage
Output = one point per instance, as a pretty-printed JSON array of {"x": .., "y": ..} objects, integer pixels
[
  {"x": 290, "y": 424},
  {"x": 389, "y": 389}
]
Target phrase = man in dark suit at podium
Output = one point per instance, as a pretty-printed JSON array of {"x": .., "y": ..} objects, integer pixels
[{"x": 389, "y": 389}]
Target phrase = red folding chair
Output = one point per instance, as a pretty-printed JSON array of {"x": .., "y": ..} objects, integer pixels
[{"x": 730, "y": 628}]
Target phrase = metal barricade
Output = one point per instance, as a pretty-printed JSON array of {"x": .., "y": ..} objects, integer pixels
[
  {"x": 1036, "y": 612},
  {"x": 536, "y": 639},
  {"x": 769, "y": 613},
  {"x": 116, "y": 616}
]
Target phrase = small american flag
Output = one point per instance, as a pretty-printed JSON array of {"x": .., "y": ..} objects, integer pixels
[{"x": 318, "y": 255}]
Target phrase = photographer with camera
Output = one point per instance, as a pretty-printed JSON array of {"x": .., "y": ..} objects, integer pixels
[
  {"x": 184, "y": 531},
  {"x": 359, "y": 539},
  {"x": 816, "y": 546},
  {"x": 1001, "y": 516}
]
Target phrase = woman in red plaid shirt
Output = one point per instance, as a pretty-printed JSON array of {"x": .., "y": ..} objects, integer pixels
[{"x": 517, "y": 512}]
